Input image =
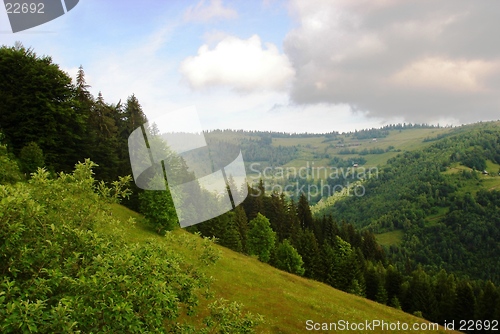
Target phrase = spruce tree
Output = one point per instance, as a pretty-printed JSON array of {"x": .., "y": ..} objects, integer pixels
[
  {"x": 465, "y": 302},
  {"x": 304, "y": 213}
]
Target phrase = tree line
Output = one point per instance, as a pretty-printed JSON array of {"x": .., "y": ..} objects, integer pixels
[
  {"x": 284, "y": 234},
  {"x": 47, "y": 120},
  {"x": 449, "y": 218}
]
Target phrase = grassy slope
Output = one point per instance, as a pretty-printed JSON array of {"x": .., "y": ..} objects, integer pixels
[
  {"x": 286, "y": 301},
  {"x": 390, "y": 238}
]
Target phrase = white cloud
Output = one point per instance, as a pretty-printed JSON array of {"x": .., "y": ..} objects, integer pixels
[
  {"x": 203, "y": 12},
  {"x": 445, "y": 74},
  {"x": 240, "y": 64}
]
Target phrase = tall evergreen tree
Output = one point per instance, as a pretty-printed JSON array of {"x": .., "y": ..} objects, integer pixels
[
  {"x": 276, "y": 212},
  {"x": 309, "y": 250},
  {"x": 487, "y": 302},
  {"x": 422, "y": 296},
  {"x": 304, "y": 213},
  {"x": 240, "y": 219},
  {"x": 48, "y": 117},
  {"x": 465, "y": 302},
  {"x": 444, "y": 290},
  {"x": 227, "y": 231}
]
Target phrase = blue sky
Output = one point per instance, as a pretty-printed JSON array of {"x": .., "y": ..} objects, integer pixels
[{"x": 296, "y": 66}]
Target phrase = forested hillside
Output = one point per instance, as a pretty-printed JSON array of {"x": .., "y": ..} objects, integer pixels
[
  {"x": 445, "y": 200},
  {"x": 433, "y": 190},
  {"x": 46, "y": 120}
]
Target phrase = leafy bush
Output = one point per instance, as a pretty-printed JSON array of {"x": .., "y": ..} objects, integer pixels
[
  {"x": 288, "y": 259},
  {"x": 31, "y": 158},
  {"x": 261, "y": 238},
  {"x": 9, "y": 170},
  {"x": 59, "y": 274}
]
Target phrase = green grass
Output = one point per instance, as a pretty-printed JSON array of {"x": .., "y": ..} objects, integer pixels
[
  {"x": 390, "y": 238},
  {"x": 286, "y": 301},
  {"x": 309, "y": 148},
  {"x": 491, "y": 181}
]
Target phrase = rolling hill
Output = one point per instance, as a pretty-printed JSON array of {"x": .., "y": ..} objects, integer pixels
[{"x": 286, "y": 301}]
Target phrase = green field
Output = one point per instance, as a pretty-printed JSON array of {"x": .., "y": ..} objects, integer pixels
[
  {"x": 390, "y": 238},
  {"x": 320, "y": 150},
  {"x": 286, "y": 301}
]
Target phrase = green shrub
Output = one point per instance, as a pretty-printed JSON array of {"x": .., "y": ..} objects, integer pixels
[{"x": 58, "y": 274}]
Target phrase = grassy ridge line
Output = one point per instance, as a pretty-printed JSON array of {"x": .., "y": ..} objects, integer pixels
[{"x": 286, "y": 301}]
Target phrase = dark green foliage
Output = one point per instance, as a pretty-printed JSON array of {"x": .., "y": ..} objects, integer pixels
[
  {"x": 36, "y": 105},
  {"x": 39, "y": 104},
  {"x": 158, "y": 208},
  {"x": 465, "y": 302},
  {"x": 31, "y": 158},
  {"x": 474, "y": 159},
  {"x": 308, "y": 248},
  {"x": 228, "y": 235},
  {"x": 421, "y": 296},
  {"x": 304, "y": 213},
  {"x": 393, "y": 281},
  {"x": 487, "y": 302},
  {"x": 287, "y": 258},
  {"x": 408, "y": 193},
  {"x": 340, "y": 267},
  {"x": 9, "y": 170},
  {"x": 241, "y": 222},
  {"x": 261, "y": 238}
]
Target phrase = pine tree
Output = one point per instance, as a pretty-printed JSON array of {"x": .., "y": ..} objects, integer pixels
[
  {"x": 422, "y": 295},
  {"x": 228, "y": 234},
  {"x": 309, "y": 250},
  {"x": 49, "y": 117},
  {"x": 444, "y": 290},
  {"x": 134, "y": 116},
  {"x": 105, "y": 147},
  {"x": 240, "y": 219},
  {"x": 465, "y": 302},
  {"x": 393, "y": 281},
  {"x": 276, "y": 212},
  {"x": 487, "y": 302},
  {"x": 304, "y": 213}
]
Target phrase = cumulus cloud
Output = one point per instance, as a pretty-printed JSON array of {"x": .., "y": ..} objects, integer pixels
[
  {"x": 203, "y": 12},
  {"x": 244, "y": 65},
  {"x": 412, "y": 59}
]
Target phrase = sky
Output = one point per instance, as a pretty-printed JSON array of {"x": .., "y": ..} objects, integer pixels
[{"x": 294, "y": 66}]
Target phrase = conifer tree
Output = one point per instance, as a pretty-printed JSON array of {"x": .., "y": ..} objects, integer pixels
[
  {"x": 465, "y": 302},
  {"x": 240, "y": 219},
  {"x": 444, "y": 290},
  {"x": 487, "y": 302},
  {"x": 304, "y": 213},
  {"x": 37, "y": 105},
  {"x": 228, "y": 234},
  {"x": 309, "y": 250}
]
